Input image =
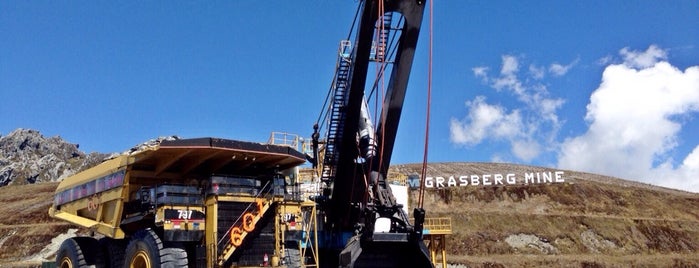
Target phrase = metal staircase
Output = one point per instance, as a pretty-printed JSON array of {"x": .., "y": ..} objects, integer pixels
[
  {"x": 336, "y": 116},
  {"x": 237, "y": 232},
  {"x": 383, "y": 31}
]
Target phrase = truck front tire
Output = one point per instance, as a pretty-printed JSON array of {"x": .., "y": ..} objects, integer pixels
[
  {"x": 143, "y": 250},
  {"x": 146, "y": 251}
]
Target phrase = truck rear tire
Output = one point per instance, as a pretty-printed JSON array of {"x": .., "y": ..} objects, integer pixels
[
  {"x": 79, "y": 252},
  {"x": 146, "y": 251},
  {"x": 292, "y": 258},
  {"x": 114, "y": 251},
  {"x": 174, "y": 257}
]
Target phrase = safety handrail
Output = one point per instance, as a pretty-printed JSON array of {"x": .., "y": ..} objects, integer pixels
[
  {"x": 440, "y": 225},
  {"x": 264, "y": 192}
]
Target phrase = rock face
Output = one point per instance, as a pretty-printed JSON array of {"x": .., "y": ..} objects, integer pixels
[{"x": 27, "y": 157}]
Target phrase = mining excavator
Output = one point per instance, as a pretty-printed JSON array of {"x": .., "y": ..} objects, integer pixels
[
  {"x": 364, "y": 225},
  {"x": 212, "y": 202}
]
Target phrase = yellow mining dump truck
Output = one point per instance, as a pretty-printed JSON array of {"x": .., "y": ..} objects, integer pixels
[{"x": 204, "y": 202}]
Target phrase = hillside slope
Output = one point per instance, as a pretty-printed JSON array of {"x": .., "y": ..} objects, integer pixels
[{"x": 586, "y": 221}]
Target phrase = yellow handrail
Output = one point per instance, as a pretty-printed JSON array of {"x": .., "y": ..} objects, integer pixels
[
  {"x": 437, "y": 225},
  {"x": 397, "y": 178}
]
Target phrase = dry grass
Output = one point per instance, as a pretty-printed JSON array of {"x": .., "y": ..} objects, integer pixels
[
  {"x": 26, "y": 228},
  {"x": 26, "y": 204},
  {"x": 591, "y": 221},
  {"x": 22, "y": 242},
  {"x": 580, "y": 260}
]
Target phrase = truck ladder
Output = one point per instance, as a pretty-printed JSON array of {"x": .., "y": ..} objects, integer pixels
[{"x": 261, "y": 206}]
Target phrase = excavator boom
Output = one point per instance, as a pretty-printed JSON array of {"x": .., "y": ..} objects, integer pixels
[{"x": 364, "y": 222}]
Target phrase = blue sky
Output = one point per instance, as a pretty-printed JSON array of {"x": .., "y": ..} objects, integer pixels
[{"x": 610, "y": 87}]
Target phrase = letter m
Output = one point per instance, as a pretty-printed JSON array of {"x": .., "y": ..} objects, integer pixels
[{"x": 414, "y": 181}]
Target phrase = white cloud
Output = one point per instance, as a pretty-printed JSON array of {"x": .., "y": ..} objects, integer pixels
[
  {"x": 635, "y": 117},
  {"x": 605, "y": 60},
  {"x": 548, "y": 107},
  {"x": 536, "y": 71},
  {"x": 682, "y": 177},
  {"x": 558, "y": 69},
  {"x": 508, "y": 76},
  {"x": 632, "y": 122},
  {"x": 481, "y": 72},
  {"x": 493, "y": 122},
  {"x": 510, "y": 65},
  {"x": 643, "y": 59},
  {"x": 533, "y": 95},
  {"x": 484, "y": 120},
  {"x": 526, "y": 149}
]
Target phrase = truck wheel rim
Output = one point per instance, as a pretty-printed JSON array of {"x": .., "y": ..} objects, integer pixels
[
  {"x": 66, "y": 263},
  {"x": 140, "y": 260}
]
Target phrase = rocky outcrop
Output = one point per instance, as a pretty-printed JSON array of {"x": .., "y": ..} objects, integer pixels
[
  {"x": 143, "y": 146},
  {"x": 28, "y": 157}
]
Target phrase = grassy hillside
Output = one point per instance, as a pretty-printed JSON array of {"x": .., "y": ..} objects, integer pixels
[
  {"x": 586, "y": 221},
  {"x": 25, "y": 227}
]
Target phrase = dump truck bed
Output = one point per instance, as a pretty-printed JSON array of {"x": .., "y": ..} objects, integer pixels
[
  {"x": 95, "y": 197},
  {"x": 206, "y": 156},
  {"x": 191, "y": 157}
]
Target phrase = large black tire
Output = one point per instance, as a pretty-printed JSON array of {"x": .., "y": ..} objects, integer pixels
[
  {"x": 292, "y": 258},
  {"x": 174, "y": 257},
  {"x": 146, "y": 251},
  {"x": 80, "y": 252},
  {"x": 113, "y": 251}
]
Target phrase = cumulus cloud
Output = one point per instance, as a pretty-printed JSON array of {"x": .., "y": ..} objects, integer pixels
[
  {"x": 643, "y": 59},
  {"x": 524, "y": 127},
  {"x": 633, "y": 124},
  {"x": 534, "y": 96},
  {"x": 485, "y": 120},
  {"x": 634, "y": 117},
  {"x": 526, "y": 149},
  {"x": 508, "y": 76}
]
